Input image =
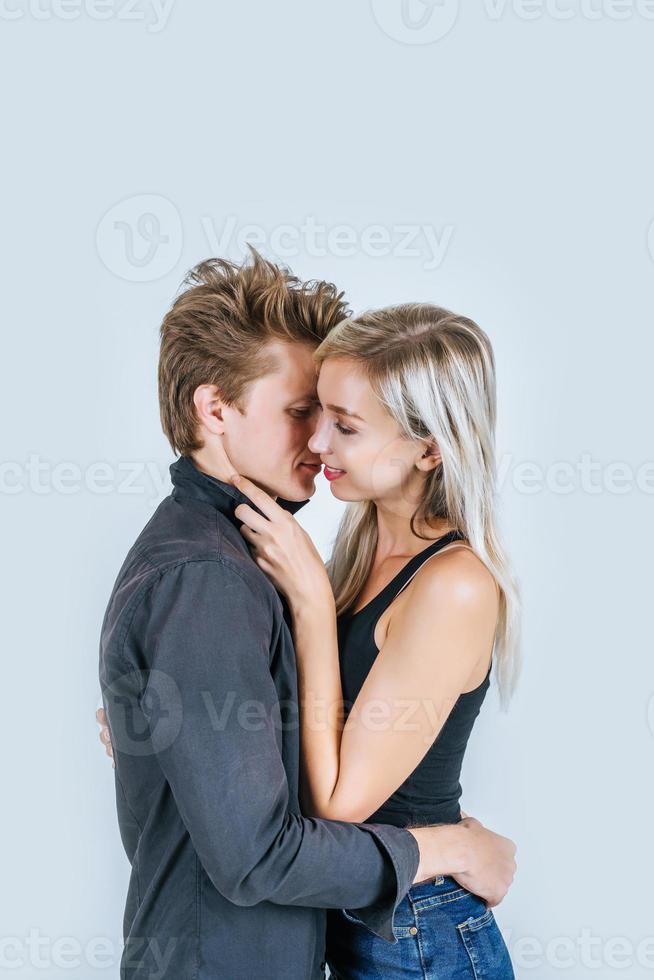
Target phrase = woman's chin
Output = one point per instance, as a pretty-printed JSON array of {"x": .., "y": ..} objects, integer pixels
[{"x": 343, "y": 492}]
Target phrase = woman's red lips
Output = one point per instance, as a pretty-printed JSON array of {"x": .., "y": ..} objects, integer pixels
[{"x": 331, "y": 474}]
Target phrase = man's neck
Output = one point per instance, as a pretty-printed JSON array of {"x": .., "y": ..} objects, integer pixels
[{"x": 217, "y": 464}]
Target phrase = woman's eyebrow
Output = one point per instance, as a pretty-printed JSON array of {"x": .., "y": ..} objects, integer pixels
[{"x": 345, "y": 411}]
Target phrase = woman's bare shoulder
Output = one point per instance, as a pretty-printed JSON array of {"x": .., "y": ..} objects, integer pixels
[{"x": 458, "y": 575}]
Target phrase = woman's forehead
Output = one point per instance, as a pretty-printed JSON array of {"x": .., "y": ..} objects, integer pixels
[{"x": 345, "y": 384}]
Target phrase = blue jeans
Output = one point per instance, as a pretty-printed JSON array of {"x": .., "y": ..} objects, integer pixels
[{"x": 444, "y": 932}]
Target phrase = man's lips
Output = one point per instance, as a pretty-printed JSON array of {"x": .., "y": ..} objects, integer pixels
[
  {"x": 332, "y": 474},
  {"x": 314, "y": 467}
]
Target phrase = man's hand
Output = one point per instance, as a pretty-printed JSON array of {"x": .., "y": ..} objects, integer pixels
[
  {"x": 480, "y": 860},
  {"x": 105, "y": 735}
]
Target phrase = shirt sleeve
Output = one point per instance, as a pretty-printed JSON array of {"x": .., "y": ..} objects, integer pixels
[{"x": 216, "y": 727}]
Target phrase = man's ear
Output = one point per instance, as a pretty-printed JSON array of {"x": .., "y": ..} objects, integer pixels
[
  {"x": 428, "y": 457},
  {"x": 209, "y": 408}
]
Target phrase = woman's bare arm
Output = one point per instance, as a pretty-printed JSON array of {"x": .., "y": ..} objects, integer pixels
[{"x": 441, "y": 630}]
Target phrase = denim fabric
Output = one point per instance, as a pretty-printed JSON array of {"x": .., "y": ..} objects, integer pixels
[
  {"x": 199, "y": 682},
  {"x": 444, "y": 932}
]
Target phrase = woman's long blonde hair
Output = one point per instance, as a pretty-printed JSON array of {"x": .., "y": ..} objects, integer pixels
[{"x": 434, "y": 372}]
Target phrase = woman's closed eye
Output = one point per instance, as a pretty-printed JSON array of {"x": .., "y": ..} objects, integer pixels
[{"x": 343, "y": 430}]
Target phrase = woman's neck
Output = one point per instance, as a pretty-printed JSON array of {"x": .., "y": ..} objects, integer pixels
[{"x": 395, "y": 537}]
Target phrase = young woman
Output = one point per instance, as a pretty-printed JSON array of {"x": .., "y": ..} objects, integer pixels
[{"x": 396, "y": 638}]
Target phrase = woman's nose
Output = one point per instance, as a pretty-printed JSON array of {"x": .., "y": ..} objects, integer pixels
[{"x": 318, "y": 442}]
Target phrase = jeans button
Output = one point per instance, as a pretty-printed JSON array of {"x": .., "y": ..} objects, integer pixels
[{"x": 413, "y": 931}]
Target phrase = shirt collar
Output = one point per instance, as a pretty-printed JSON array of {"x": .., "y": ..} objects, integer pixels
[{"x": 190, "y": 481}]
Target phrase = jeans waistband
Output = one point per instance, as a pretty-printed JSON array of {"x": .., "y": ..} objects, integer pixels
[{"x": 441, "y": 884}]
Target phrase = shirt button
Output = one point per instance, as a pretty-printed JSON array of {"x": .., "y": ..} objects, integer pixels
[{"x": 413, "y": 931}]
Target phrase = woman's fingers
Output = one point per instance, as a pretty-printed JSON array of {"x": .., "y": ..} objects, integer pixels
[
  {"x": 249, "y": 534},
  {"x": 263, "y": 501},
  {"x": 105, "y": 734},
  {"x": 105, "y": 738},
  {"x": 250, "y": 517}
]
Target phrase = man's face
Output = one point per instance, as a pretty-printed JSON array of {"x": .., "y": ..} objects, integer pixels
[{"x": 268, "y": 443}]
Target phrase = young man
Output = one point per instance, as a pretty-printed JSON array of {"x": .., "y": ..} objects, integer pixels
[{"x": 198, "y": 673}]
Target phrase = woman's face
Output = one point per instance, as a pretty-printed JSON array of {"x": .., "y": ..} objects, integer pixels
[{"x": 365, "y": 455}]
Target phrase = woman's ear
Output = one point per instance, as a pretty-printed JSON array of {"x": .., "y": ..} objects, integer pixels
[{"x": 429, "y": 456}]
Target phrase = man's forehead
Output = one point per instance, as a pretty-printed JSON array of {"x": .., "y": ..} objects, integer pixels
[
  {"x": 306, "y": 395},
  {"x": 294, "y": 372}
]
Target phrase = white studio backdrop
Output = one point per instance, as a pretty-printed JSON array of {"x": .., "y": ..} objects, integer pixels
[{"x": 495, "y": 158}]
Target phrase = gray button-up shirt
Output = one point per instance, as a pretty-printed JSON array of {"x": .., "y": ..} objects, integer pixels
[{"x": 198, "y": 677}]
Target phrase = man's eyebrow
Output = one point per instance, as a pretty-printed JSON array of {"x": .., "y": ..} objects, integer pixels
[
  {"x": 345, "y": 411},
  {"x": 309, "y": 397}
]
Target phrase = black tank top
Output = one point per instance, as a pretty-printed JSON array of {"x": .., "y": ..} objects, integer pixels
[{"x": 431, "y": 793}]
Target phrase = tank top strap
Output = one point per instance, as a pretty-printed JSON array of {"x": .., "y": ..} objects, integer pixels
[
  {"x": 376, "y": 606},
  {"x": 413, "y": 566}
]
